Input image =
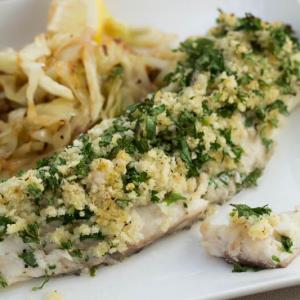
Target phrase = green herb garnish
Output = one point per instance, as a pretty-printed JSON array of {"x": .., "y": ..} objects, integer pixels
[
  {"x": 4, "y": 221},
  {"x": 76, "y": 253},
  {"x": 93, "y": 271},
  {"x": 154, "y": 197},
  {"x": 227, "y": 111},
  {"x": 249, "y": 23},
  {"x": 150, "y": 127},
  {"x": 186, "y": 123},
  {"x": 3, "y": 282},
  {"x": 83, "y": 168},
  {"x": 172, "y": 197},
  {"x": 201, "y": 56},
  {"x": 239, "y": 268},
  {"x": 107, "y": 135},
  {"x": 251, "y": 179},
  {"x": 45, "y": 281},
  {"x": 94, "y": 236},
  {"x": 279, "y": 105},
  {"x": 185, "y": 152},
  {"x": 122, "y": 202},
  {"x": 287, "y": 243},
  {"x": 237, "y": 150},
  {"x": 246, "y": 211},
  {"x": 29, "y": 258},
  {"x": 245, "y": 79},
  {"x": 72, "y": 216},
  {"x": 49, "y": 173},
  {"x": 224, "y": 177},
  {"x": 34, "y": 192},
  {"x": 133, "y": 176},
  {"x": 66, "y": 245},
  {"x": 275, "y": 259},
  {"x": 31, "y": 234},
  {"x": 278, "y": 39},
  {"x": 268, "y": 143}
]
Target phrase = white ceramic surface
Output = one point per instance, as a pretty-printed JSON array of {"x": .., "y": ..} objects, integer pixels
[{"x": 176, "y": 267}]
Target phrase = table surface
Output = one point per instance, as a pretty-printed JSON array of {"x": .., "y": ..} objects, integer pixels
[{"x": 290, "y": 293}]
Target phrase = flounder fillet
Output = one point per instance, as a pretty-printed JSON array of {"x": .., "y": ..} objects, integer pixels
[{"x": 155, "y": 169}]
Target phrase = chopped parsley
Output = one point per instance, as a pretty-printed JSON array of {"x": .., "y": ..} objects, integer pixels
[
  {"x": 268, "y": 143},
  {"x": 157, "y": 110},
  {"x": 278, "y": 39},
  {"x": 122, "y": 202},
  {"x": 287, "y": 243},
  {"x": 249, "y": 121},
  {"x": 106, "y": 137},
  {"x": 31, "y": 234},
  {"x": 224, "y": 177},
  {"x": 227, "y": 110},
  {"x": 34, "y": 192},
  {"x": 198, "y": 162},
  {"x": 201, "y": 56},
  {"x": 51, "y": 179},
  {"x": 76, "y": 253},
  {"x": 186, "y": 123},
  {"x": 260, "y": 113},
  {"x": 72, "y": 216},
  {"x": 50, "y": 161},
  {"x": 245, "y": 79},
  {"x": 237, "y": 150},
  {"x": 134, "y": 177},
  {"x": 246, "y": 211},
  {"x": 83, "y": 168},
  {"x": 4, "y": 221},
  {"x": 185, "y": 152},
  {"x": 93, "y": 271},
  {"x": 275, "y": 259},
  {"x": 279, "y": 105},
  {"x": 239, "y": 268},
  {"x": 44, "y": 282},
  {"x": 251, "y": 179},
  {"x": 67, "y": 245},
  {"x": 94, "y": 236},
  {"x": 29, "y": 258},
  {"x": 206, "y": 108},
  {"x": 150, "y": 127},
  {"x": 3, "y": 282},
  {"x": 172, "y": 197},
  {"x": 52, "y": 267},
  {"x": 154, "y": 197},
  {"x": 49, "y": 173},
  {"x": 249, "y": 23},
  {"x": 126, "y": 143}
]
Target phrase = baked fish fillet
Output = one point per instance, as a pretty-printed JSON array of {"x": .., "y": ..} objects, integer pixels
[
  {"x": 253, "y": 237},
  {"x": 155, "y": 169}
]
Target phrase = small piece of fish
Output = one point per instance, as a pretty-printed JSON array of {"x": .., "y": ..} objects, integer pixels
[{"x": 261, "y": 244}]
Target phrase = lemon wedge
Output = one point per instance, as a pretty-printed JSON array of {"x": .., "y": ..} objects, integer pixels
[
  {"x": 76, "y": 16},
  {"x": 115, "y": 29}
]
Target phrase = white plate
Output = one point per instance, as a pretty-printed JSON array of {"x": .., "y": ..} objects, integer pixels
[{"x": 176, "y": 267}]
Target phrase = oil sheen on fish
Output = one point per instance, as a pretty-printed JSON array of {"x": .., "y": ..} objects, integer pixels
[{"x": 155, "y": 169}]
